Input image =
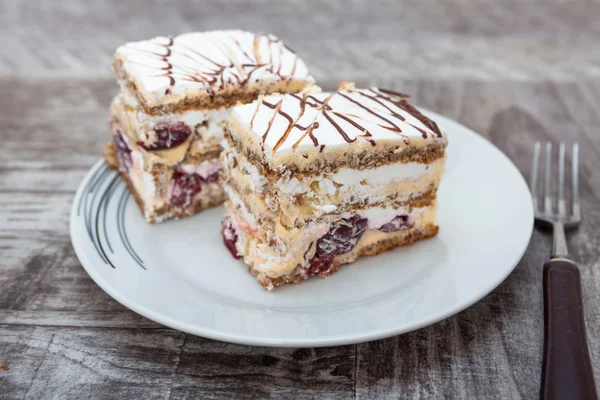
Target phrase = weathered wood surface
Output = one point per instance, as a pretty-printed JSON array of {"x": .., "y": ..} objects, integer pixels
[{"x": 515, "y": 71}]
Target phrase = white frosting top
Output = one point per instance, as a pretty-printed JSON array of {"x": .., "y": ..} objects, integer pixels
[
  {"x": 300, "y": 122},
  {"x": 209, "y": 62}
]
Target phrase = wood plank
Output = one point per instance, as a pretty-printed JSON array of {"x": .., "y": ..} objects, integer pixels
[
  {"x": 55, "y": 362},
  {"x": 212, "y": 370},
  {"x": 49, "y": 278},
  {"x": 122, "y": 318},
  {"x": 99, "y": 363},
  {"x": 483, "y": 39}
]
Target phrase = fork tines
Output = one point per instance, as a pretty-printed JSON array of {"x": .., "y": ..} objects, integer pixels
[{"x": 547, "y": 213}]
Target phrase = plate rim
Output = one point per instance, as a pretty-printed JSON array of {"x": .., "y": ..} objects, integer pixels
[{"x": 325, "y": 341}]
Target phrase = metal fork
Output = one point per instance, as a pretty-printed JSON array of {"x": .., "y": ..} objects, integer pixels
[{"x": 566, "y": 370}]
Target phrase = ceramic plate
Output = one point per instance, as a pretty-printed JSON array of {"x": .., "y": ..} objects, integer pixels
[{"x": 180, "y": 274}]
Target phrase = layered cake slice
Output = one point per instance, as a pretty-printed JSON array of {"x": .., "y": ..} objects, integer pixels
[
  {"x": 317, "y": 180},
  {"x": 176, "y": 92}
]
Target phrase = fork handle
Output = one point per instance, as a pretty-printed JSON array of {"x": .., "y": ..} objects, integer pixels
[{"x": 566, "y": 370}]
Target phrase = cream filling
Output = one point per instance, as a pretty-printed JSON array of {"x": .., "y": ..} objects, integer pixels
[
  {"x": 205, "y": 169},
  {"x": 368, "y": 186},
  {"x": 379, "y": 216},
  {"x": 207, "y": 124},
  {"x": 155, "y": 197},
  {"x": 279, "y": 251},
  {"x": 214, "y": 118},
  {"x": 315, "y": 196},
  {"x": 265, "y": 250},
  {"x": 144, "y": 183},
  {"x": 207, "y": 190},
  {"x": 347, "y": 178}
]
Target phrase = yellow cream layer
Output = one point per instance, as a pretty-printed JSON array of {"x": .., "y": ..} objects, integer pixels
[{"x": 278, "y": 252}]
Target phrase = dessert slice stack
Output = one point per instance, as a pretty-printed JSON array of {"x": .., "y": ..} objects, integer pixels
[
  {"x": 176, "y": 92},
  {"x": 317, "y": 180}
]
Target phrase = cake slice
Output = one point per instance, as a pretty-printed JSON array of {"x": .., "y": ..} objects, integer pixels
[
  {"x": 176, "y": 93},
  {"x": 316, "y": 180}
]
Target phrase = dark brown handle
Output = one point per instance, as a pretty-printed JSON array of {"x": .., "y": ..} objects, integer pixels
[{"x": 567, "y": 370}]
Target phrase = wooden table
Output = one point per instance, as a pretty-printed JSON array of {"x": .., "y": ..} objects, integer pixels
[{"x": 515, "y": 71}]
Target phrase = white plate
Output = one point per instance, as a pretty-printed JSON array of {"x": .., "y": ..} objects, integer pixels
[{"x": 180, "y": 274}]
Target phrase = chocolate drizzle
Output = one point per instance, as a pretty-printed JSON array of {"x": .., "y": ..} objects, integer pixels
[
  {"x": 366, "y": 134},
  {"x": 401, "y": 102},
  {"x": 392, "y": 93},
  {"x": 307, "y": 131},
  {"x": 324, "y": 107},
  {"x": 169, "y": 67},
  {"x": 277, "y": 108},
  {"x": 386, "y": 106},
  {"x": 242, "y": 59},
  {"x": 337, "y": 127}
]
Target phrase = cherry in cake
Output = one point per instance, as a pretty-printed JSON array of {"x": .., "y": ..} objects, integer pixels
[{"x": 316, "y": 180}]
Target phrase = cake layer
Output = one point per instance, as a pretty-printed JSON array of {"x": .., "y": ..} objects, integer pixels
[
  {"x": 165, "y": 191},
  {"x": 315, "y": 180},
  {"x": 296, "y": 198},
  {"x": 205, "y": 126},
  {"x": 208, "y": 69},
  {"x": 314, "y": 133},
  {"x": 372, "y": 247},
  {"x": 320, "y": 245},
  {"x": 171, "y": 138}
]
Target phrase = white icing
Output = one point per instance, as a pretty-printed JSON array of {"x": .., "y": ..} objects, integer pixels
[
  {"x": 383, "y": 175},
  {"x": 149, "y": 185},
  {"x": 328, "y": 208},
  {"x": 379, "y": 216},
  {"x": 204, "y": 169},
  {"x": 258, "y": 181},
  {"x": 327, "y": 186},
  {"x": 212, "y": 120},
  {"x": 293, "y": 186},
  {"x": 142, "y": 180},
  {"x": 147, "y": 178},
  {"x": 216, "y": 120},
  {"x": 127, "y": 96},
  {"x": 208, "y": 62},
  {"x": 269, "y": 126},
  {"x": 190, "y": 118}
]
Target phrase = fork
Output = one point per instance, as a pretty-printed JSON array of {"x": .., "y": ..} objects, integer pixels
[{"x": 566, "y": 369}]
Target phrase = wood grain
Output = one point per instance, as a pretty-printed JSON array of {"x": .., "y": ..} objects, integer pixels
[
  {"x": 481, "y": 39},
  {"x": 514, "y": 71}
]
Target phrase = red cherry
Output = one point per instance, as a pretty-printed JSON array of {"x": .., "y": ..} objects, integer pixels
[
  {"x": 168, "y": 136},
  {"x": 185, "y": 187},
  {"x": 229, "y": 237},
  {"x": 341, "y": 238},
  {"x": 123, "y": 151}
]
